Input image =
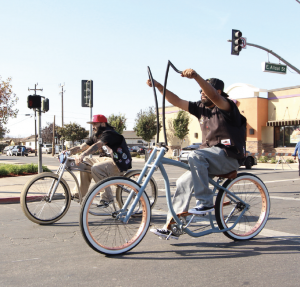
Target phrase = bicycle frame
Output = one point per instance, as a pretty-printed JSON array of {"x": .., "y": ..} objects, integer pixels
[
  {"x": 159, "y": 163},
  {"x": 60, "y": 171}
]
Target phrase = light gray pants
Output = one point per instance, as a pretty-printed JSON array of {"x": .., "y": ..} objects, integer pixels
[{"x": 203, "y": 163}]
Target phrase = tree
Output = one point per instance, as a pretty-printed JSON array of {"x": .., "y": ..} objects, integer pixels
[
  {"x": 47, "y": 133},
  {"x": 145, "y": 124},
  {"x": 181, "y": 125},
  {"x": 7, "y": 102},
  {"x": 118, "y": 122},
  {"x": 72, "y": 132}
]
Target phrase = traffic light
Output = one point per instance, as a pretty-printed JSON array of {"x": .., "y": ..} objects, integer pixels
[
  {"x": 45, "y": 105},
  {"x": 236, "y": 42},
  {"x": 86, "y": 93},
  {"x": 34, "y": 102}
]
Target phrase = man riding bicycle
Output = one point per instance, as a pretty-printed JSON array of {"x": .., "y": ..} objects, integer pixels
[
  {"x": 115, "y": 163},
  {"x": 223, "y": 145}
]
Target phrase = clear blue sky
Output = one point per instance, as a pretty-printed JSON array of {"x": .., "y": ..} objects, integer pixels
[{"x": 113, "y": 42}]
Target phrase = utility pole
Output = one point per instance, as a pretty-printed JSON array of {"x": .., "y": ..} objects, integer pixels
[
  {"x": 62, "y": 109},
  {"x": 53, "y": 139},
  {"x": 39, "y": 131},
  {"x": 35, "y": 89},
  {"x": 272, "y": 53}
]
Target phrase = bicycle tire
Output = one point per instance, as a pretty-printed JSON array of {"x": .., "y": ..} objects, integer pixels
[
  {"x": 107, "y": 234},
  {"x": 151, "y": 189},
  {"x": 252, "y": 190},
  {"x": 34, "y": 202}
]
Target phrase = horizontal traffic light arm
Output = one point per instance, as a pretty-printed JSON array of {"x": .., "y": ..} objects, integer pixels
[{"x": 274, "y": 54}]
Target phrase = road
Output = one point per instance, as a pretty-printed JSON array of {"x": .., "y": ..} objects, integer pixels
[{"x": 34, "y": 255}]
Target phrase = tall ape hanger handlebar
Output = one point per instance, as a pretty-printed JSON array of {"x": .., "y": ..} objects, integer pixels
[{"x": 163, "y": 100}]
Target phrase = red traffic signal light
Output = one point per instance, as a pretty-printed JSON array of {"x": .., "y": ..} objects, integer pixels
[{"x": 34, "y": 102}]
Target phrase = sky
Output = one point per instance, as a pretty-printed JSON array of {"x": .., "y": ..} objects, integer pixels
[{"x": 113, "y": 42}]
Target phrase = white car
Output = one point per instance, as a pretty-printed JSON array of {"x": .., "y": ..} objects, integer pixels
[
  {"x": 7, "y": 150},
  {"x": 47, "y": 148},
  {"x": 184, "y": 154}
]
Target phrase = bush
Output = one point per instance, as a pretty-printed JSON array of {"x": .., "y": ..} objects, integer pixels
[
  {"x": 7, "y": 169},
  {"x": 290, "y": 160},
  {"x": 138, "y": 156},
  {"x": 273, "y": 160},
  {"x": 263, "y": 159}
]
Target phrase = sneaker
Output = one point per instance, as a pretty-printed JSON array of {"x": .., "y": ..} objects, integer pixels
[
  {"x": 201, "y": 209},
  {"x": 163, "y": 233},
  {"x": 104, "y": 203}
]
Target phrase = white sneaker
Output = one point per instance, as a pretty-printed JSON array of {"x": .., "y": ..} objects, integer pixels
[
  {"x": 200, "y": 209},
  {"x": 163, "y": 233}
]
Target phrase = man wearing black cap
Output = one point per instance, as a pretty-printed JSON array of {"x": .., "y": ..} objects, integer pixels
[
  {"x": 223, "y": 145},
  {"x": 105, "y": 139}
]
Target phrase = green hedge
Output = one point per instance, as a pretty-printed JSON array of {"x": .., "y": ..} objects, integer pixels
[{"x": 17, "y": 169}]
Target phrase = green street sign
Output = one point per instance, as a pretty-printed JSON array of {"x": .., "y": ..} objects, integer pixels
[{"x": 273, "y": 68}]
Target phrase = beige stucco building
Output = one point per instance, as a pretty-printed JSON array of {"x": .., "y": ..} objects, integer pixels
[{"x": 273, "y": 119}]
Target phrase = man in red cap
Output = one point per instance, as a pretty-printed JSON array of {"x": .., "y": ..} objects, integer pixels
[
  {"x": 223, "y": 145},
  {"x": 105, "y": 139}
]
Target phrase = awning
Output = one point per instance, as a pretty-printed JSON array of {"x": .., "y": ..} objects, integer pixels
[{"x": 283, "y": 123}]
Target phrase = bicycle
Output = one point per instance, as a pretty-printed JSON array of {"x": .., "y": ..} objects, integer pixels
[
  {"x": 242, "y": 205},
  {"x": 46, "y": 197}
]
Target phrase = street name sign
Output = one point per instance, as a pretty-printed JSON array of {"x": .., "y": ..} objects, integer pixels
[{"x": 273, "y": 68}]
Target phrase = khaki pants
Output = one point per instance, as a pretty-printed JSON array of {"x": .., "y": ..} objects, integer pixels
[{"x": 102, "y": 167}]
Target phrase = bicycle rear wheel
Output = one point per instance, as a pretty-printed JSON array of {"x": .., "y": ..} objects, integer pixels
[
  {"x": 252, "y": 191},
  {"x": 102, "y": 229},
  {"x": 151, "y": 189},
  {"x": 35, "y": 202}
]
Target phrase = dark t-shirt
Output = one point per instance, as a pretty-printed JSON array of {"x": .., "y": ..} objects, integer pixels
[
  {"x": 110, "y": 139},
  {"x": 221, "y": 128},
  {"x": 233, "y": 117}
]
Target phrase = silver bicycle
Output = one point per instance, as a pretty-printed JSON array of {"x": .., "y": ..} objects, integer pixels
[{"x": 46, "y": 197}]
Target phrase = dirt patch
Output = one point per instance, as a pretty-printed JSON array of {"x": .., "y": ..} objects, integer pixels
[{"x": 15, "y": 175}]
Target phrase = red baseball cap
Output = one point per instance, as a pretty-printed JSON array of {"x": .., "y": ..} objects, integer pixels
[{"x": 98, "y": 119}]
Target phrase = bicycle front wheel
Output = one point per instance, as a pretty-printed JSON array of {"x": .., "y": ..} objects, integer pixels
[
  {"x": 101, "y": 226},
  {"x": 252, "y": 191},
  {"x": 35, "y": 197}
]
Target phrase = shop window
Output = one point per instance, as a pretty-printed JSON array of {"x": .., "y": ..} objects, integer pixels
[{"x": 286, "y": 136}]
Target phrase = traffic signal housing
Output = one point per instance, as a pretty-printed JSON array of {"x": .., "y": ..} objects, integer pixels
[
  {"x": 87, "y": 93},
  {"x": 45, "y": 105},
  {"x": 236, "y": 42},
  {"x": 34, "y": 102}
]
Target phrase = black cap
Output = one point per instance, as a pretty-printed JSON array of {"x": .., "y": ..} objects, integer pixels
[{"x": 218, "y": 85}]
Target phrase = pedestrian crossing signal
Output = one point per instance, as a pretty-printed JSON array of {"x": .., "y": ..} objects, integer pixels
[{"x": 34, "y": 102}]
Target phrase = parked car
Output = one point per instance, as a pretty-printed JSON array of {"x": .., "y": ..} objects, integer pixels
[
  {"x": 30, "y": 150},
  {"x": 47, "y": 148},
  {"x": 17, "y": 150},
  {"x": 9, "y": 151},
  {"x": 4, "y": 151},
  {"x": 249, "y": 161},
  {"x": 141, "y": 150},
  {"x": 133, "y": 148},
  {"x": 184, "y": 154}
]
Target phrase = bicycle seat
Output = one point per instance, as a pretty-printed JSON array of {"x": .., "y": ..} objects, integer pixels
[{"x": 230, "y": 175}]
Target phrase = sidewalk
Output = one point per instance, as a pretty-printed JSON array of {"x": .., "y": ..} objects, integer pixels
[{"x": 11, "y": 187}]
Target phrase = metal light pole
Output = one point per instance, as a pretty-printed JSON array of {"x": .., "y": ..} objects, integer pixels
[
  {"x": 62, "y": 109},
  {"x": 272, "y": 53}
]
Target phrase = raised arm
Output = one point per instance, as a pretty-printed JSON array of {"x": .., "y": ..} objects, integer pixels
[
  {"x": 213, "y": 94},
  {"x": 171, "y": 97}
]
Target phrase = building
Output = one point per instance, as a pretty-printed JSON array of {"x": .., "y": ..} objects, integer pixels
[
  {"x": 132, "y": 139},
  {"x": 273, "y": 119}
]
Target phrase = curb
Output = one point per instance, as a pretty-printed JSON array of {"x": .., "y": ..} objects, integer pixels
[{"x": 9, "y": 200}]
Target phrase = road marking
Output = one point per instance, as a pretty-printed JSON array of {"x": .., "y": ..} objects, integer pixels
[{"x": 26, "y": 259}]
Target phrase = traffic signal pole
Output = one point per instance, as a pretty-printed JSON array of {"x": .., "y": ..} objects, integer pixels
[{"x": 274, "y": 54}]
